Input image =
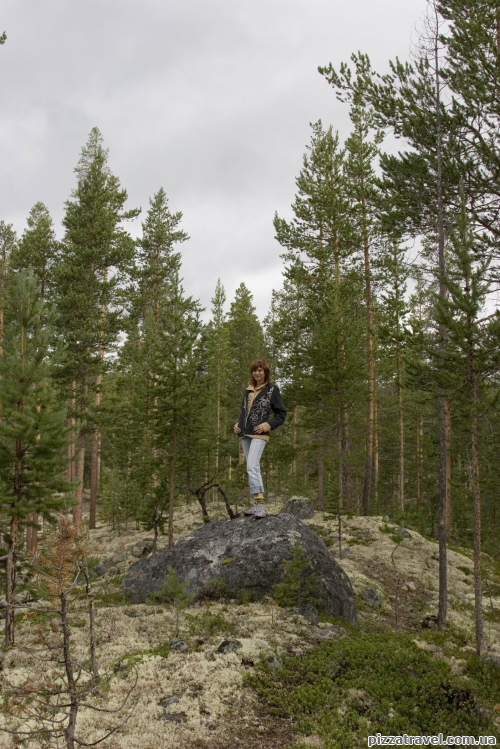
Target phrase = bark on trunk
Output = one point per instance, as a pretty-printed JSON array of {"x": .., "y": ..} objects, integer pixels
[
  {"x": 346, "y": 461},
  {"x": 69, "y": 731},
  {"x": 444, "y": 498},
  {"x": 94, "y": 460},
  {"x": 370, "y": 354},
  {"x": 476, "y": 496},
  {"x": 418, "y": 457},
  {"x": 80, "y": 464},
  {"x": 375, "y": 455},
  {"x": 173, "y": 468},
  {"x": 70, "y": 470},
  {"x": 32, "y": 533},
  {"x": 10, "y": 582},
  {"x": 321, "y": 477},
  {"x": 448, "y": 465},
  {"x": 293, "y": 467},
  {"x": 401, "y": 473}
]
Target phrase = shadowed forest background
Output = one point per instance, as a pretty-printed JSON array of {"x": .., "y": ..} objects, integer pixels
[{"x": 383, "y": 338}]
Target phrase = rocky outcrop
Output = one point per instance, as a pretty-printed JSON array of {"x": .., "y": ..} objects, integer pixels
[{"x": 244, "y": 557}]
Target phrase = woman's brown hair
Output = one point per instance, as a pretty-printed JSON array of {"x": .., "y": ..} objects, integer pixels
[{"x": 265, "y": 366}]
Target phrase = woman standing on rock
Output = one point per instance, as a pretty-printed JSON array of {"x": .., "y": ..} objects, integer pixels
[{"x": 260, "y": 398}]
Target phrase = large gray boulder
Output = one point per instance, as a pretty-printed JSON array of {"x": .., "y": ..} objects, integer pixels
[{"x": 244, "y": 556}]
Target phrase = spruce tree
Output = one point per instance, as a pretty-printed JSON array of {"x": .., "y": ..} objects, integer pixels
[{"x": 32, "y": 429}]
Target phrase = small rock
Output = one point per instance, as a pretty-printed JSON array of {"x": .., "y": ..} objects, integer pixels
[
  {"x": 308, "y": 612},
  {"x": 411, "y": 586},
  {"x": 491, "y": 659},
  {"x": 401, "y": 532},
  {"x": 273, "y": 662},
  {"x": 346, "y": 553},
  {"x": 100, "y": 570},
  {"x": 119, "y": 558},
  {"x": 174, "y": 717},
  {"x": 371, "y": 597},
  {"x": 429, "y": 622},
  {"x": 229, "y": 646},
  {"x": 300, "y": 507},
  {"x": 273, "y": 498},
  {"x": 178, "y": 645},
  {"x": 166, "y": 701},
  {"x": 330, "y": 632},
  {"x": 142, "y": 548},
  {"x": 132, "y": 613}
]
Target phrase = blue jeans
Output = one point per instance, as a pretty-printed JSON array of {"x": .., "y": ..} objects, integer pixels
[{"x": 253, "y": 449}]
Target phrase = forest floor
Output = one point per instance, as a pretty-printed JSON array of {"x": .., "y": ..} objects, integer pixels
[{"x": 213, "y": 705}]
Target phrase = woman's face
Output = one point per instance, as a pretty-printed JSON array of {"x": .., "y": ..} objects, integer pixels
[{"x": 258, "y": 375}]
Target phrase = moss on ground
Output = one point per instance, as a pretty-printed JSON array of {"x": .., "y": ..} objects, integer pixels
[{"x": 345, "y": 690}]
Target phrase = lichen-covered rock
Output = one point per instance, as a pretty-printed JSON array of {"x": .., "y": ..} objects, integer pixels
[
  {"x": 257, "y": 549},
  {"x": 299, "y": 507},
  {"x": 142, "y": 548},
  {"x": 371, "y": 596}
]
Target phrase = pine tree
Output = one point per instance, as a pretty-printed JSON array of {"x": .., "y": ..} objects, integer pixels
[
  {"x": 472, "y": 46},
  {"x": 362, "y": 146},
  {"x": 32, "y": 429},
  {"x": 87, "y": 295},
  {"x": 392, "y": 337},
  {"x": 246, "y": 342},
  {"x": 217, "y": 384},
  {"x": 313, "y": 311},
  {"x": 38, "y": 249},
  {"x": 8, "y": 245},
  {"x": 468, "y": 359},
  {"x": 176, "y": 368}
]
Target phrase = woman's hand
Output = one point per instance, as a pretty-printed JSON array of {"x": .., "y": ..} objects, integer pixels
[
  {"x": 262, "y": 428},
  {"x": 236, "y": 430}
]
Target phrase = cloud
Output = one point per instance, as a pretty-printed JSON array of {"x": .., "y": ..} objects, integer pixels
[{"x": 211, "y": 99}]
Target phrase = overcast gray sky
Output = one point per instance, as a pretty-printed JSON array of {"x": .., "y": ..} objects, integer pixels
[{"x": 211, "y": 99}]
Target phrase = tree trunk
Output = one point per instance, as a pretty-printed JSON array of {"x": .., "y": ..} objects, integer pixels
[
  {"x": 370, "y": 355},
  {"x": 444, "y": 498},
  {"x": 32, "y": 533},
  {"x": 70, "y": 471},
  {"x": 448, "y": 464},
  {"x": 69, "y": 731},
  {"x": 10, "y": 582},
  {"x": 375, "y": 455},
  {"x": 94, "y": 460},
  {"x": 321, "y": 476},
  {"x": 80, "y": 464},
  {"x": 293, "y": 467},
  {"x": 401, "y": 473},
  {"x": 173, "y": 468},
  {"x": 420, "y": 432}
]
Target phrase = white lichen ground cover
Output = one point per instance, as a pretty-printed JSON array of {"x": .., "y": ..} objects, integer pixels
[{"x": 209, "y": 686}]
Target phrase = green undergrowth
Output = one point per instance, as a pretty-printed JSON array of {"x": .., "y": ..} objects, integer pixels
[
  {"x": 345, "y": 690},
  {"x": 208, "y": 624}
]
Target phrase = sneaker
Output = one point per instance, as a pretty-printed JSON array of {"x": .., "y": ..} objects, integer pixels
[{"x": 260, "y": 510}]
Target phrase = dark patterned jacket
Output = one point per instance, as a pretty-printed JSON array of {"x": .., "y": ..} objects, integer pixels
[{"x": 267, "y": 400}]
